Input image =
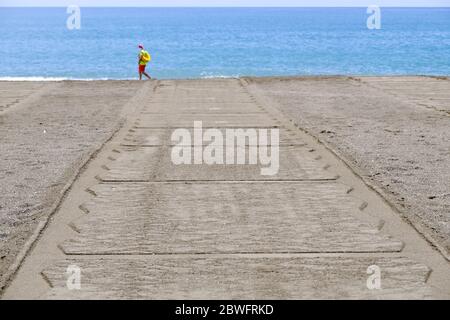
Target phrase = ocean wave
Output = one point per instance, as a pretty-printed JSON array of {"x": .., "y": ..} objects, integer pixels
[
  {"x": 56, "y": 79},
  {"x": 220, "y": 77},
  {"x": 210, "y": 75}
]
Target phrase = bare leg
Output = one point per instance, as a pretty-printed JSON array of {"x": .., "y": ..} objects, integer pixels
[
  {"x": 140, "y": 75},
  {"x": 145, "y": 74}
]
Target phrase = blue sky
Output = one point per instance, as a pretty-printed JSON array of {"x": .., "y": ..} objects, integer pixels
[{"x": 234, "y": 3}]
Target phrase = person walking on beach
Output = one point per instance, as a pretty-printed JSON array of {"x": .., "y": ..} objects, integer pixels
[{"x": 144, "y": 58}]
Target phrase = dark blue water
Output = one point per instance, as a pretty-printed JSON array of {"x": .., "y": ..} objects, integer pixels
[{"x": 207, "y": 42}]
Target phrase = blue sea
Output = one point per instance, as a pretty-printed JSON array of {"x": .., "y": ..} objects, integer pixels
[{"x": 35, "y": 43}]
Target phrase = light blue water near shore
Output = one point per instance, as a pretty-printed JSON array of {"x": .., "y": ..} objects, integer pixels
[{"x": 207, "y": 42}]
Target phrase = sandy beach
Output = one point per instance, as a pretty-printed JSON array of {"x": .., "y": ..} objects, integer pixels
[
  {"x": 48, "y": 131},
  {"x": 393, "y": 132}
]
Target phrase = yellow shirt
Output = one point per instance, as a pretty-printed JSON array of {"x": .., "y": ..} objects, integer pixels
[{"x": 144, "y": 58}]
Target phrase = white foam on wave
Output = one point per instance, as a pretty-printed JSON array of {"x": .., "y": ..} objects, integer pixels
[
  {"x": 211, "y": 75},
  {"x": 54, "y": 79},
  {"x": 31, "y": 79},
  {"x": 220, "y": 77}
]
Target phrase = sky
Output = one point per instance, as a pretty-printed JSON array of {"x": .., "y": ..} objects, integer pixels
[{"x": 232, "y": 3}]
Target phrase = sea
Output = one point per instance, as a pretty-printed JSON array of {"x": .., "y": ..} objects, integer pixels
[{"x": 47, "y": 44}]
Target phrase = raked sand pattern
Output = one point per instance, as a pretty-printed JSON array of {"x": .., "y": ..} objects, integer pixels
[{"x": 140, "y": 227}]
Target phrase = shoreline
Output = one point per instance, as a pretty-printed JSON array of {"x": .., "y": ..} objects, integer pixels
[{"x": 274, "y": 77}]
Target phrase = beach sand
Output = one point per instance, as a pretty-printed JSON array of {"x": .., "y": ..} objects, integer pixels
[
  {"x": 393, "y": 131},
  {"x": 47, "y": 132}
]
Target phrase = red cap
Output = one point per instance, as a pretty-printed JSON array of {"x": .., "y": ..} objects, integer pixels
[{"x": 141, "y": 46}]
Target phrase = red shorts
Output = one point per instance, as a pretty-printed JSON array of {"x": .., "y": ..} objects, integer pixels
[{"x": 141, "y": 68}]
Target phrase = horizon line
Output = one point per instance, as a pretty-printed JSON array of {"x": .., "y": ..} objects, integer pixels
[{"x": 156, "y": 6}]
